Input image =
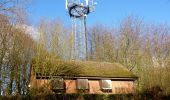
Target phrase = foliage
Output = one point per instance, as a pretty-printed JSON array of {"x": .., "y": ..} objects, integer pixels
[
  {"x": 44, "y": 90},
  {"x": 15, "y": 56},
  {"x": 85, "y": 97},
  {"x": 154, "y": 92},
  {"x": 142, "y": 48}
]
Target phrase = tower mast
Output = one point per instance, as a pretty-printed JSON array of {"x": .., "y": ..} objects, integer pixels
[{"x": 78, "y": 11}]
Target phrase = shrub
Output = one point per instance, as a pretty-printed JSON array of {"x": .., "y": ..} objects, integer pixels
[
  {"x": 85, "y": 97},
  {"x": 154, "y": 92}
]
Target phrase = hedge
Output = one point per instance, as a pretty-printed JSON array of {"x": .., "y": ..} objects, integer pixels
[{"x": 86, "y": 97}]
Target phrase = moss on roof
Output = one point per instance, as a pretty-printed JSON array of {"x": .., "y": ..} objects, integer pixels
[
  {"x": 103, "y": 69},
  {"x": 87, "y": 69}
]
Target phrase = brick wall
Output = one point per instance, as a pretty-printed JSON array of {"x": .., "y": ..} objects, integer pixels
[{"x": 118, "y": 87}]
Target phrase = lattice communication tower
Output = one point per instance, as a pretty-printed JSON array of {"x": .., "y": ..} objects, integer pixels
[{"x": 78, "y": 10}]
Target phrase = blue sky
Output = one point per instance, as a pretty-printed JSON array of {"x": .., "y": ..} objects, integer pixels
[{"x": 108, "y": 12}]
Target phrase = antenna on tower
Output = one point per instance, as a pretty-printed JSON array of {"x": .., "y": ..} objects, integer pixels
[
  {"x": 87, "y": 2},
  {"x": 78, "y": 10},
  {"x": 66, "y": 5}
]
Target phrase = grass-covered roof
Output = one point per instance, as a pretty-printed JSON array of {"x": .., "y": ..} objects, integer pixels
[
  {"x": 83, "y": 69},
  {"x": 104, "y": 69}
]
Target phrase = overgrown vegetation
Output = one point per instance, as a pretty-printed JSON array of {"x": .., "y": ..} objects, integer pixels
[
  {"x": 88, "y": 97},
  {"x": 143, "y": 48}
]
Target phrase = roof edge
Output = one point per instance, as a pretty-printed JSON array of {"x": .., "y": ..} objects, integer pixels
[{"x": 89, "y": 77}]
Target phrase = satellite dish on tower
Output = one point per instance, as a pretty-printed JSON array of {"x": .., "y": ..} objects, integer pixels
[{"x": 79, "y": 8}]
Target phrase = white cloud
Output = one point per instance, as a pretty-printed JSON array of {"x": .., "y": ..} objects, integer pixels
[{"x": 30, "y": 30}]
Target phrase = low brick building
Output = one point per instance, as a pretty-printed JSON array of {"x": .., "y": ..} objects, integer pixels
[{"x": 84, "y": 76}]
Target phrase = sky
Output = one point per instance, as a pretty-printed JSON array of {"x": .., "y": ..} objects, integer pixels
[{"x": 108, "y": 12}]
